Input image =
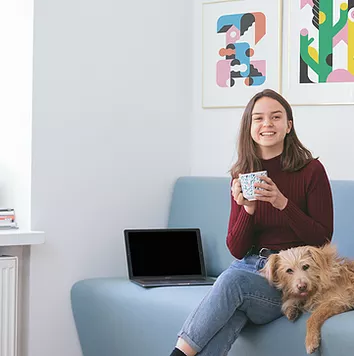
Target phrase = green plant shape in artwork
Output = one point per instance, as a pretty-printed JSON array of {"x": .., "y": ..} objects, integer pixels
[{"x": 321, "y": 61}]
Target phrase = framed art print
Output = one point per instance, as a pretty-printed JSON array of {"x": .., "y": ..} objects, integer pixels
[
  {"x": 241, "y": 50},
  {"x": 320, "y": 47}
]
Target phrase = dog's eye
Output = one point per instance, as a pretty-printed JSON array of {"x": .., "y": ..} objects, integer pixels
[
  {"x": 305, "y": 267},
  {"x": 289, "y": 270}
]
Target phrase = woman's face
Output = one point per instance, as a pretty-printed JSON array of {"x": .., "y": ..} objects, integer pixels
[{"x": 269, "y": 126}]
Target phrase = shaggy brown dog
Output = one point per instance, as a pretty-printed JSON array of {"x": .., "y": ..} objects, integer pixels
[{"x": 314, "y": 280}]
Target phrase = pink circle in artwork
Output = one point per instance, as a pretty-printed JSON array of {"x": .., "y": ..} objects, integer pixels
[
  {"x": 304, "y": 32},
  {"x": 351, "y": 15}
]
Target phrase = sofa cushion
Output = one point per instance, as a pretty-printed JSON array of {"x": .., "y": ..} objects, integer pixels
[
  {"x": 115, "y": 314},
  {"x": 343, "y": 217},
  {"x": 282, "y": 334},
  {"x": 337, "y": 333},
  {"x": 204, "y": 203}
]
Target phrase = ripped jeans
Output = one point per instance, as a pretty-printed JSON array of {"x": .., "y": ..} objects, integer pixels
[{"x": 239, "y": 295}]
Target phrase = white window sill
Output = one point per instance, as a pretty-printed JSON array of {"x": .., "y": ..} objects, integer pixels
[{"x": 18, "y": 237}]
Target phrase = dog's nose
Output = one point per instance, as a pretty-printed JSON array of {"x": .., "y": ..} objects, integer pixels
[{"x": 302, "y": 287}]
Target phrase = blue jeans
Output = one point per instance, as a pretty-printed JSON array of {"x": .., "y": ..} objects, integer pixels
[{"x": 239, "y": 295}]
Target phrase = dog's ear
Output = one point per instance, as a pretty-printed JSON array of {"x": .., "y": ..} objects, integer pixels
[
  {"x": 269, "y": 271},
  {"x": 329, "y": 250},
  {"x": 323, "y": 256}
]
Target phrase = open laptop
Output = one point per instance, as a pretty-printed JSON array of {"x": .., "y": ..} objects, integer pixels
[{"x": 165, "y": 257}]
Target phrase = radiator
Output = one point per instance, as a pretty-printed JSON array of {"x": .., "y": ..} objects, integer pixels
[{"x": 8, "y": 305}]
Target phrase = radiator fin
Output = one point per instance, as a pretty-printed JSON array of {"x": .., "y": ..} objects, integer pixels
[{"x": 8, "y": 306}]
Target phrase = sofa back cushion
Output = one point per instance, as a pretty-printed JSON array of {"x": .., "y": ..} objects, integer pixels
[
  {"x": 204, "y": 202},
  {"x": 343, "y": 199}
]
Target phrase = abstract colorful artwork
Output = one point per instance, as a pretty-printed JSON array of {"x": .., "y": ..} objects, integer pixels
[
  {"x": 241, "y": 50},
  {"x": 237, "y": 53},
  {"x": 321, "y": 50},
  {"x": 331, "y": 34}
]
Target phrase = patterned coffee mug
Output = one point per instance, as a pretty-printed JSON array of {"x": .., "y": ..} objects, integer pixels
[{"x": 247, "y": 181}]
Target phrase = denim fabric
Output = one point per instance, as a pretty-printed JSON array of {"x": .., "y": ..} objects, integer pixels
[{"x": 239, "y": 295}]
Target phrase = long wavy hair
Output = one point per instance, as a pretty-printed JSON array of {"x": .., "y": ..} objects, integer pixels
[{"x": 294, "y": 156}]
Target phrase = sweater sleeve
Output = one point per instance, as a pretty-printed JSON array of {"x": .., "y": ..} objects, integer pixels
[
  {"x": 316, "y": 226},
  {"x": 240, "y": 231}
]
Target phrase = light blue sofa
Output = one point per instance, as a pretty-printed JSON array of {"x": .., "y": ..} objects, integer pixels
[{"x": 115, "y": 317}]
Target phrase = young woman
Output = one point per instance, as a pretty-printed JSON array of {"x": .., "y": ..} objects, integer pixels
[{"x": 294, "y": 208}]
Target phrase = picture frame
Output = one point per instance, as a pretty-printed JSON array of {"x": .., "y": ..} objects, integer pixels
[
  {"x": 320, "y": 47},
  {"x": 241, "y": 50}
]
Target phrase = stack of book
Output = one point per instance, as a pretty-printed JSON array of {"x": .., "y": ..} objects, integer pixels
[{"x": 8, "y": 219}]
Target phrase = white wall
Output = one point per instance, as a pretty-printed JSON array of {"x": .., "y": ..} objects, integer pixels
[
  {"x": 16, "y": 46},
  {"x": 326, "y": 130},
  {"x": 111, "y": 133}
]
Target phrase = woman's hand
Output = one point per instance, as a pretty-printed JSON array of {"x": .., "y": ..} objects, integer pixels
[
  {"x": 249, "y": 206},
  {"x": 270, "y": 193}
]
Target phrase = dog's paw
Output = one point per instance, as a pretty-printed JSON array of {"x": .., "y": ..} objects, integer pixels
[
  {"x": 312, "y": 342},
  {"x": 292, "y": 313}
]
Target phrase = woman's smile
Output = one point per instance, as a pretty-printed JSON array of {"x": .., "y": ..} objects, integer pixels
[{"x": 268, "y": 133}]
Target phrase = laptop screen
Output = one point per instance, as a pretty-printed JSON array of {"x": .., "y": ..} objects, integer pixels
[{"x": 164, "y": 252}]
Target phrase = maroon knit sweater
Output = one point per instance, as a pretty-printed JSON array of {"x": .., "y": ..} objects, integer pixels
[{"x": 306, "y": 220}]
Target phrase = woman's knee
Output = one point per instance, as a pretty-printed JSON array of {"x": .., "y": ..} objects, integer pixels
[{"x": 234, "y": 280}]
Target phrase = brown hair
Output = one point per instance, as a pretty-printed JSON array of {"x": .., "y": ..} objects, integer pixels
[{"x": 294, "y": 156}]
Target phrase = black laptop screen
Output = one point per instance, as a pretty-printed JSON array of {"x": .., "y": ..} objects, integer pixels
[{"x": 163, "y": 252}]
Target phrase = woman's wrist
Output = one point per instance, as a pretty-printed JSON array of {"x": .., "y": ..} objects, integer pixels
[
  {"x": 249, "y": 209},
  {"x": 283, "y": 205}
]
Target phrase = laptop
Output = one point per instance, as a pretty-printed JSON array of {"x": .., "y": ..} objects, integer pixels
[{"x": 165, "y": 257}]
